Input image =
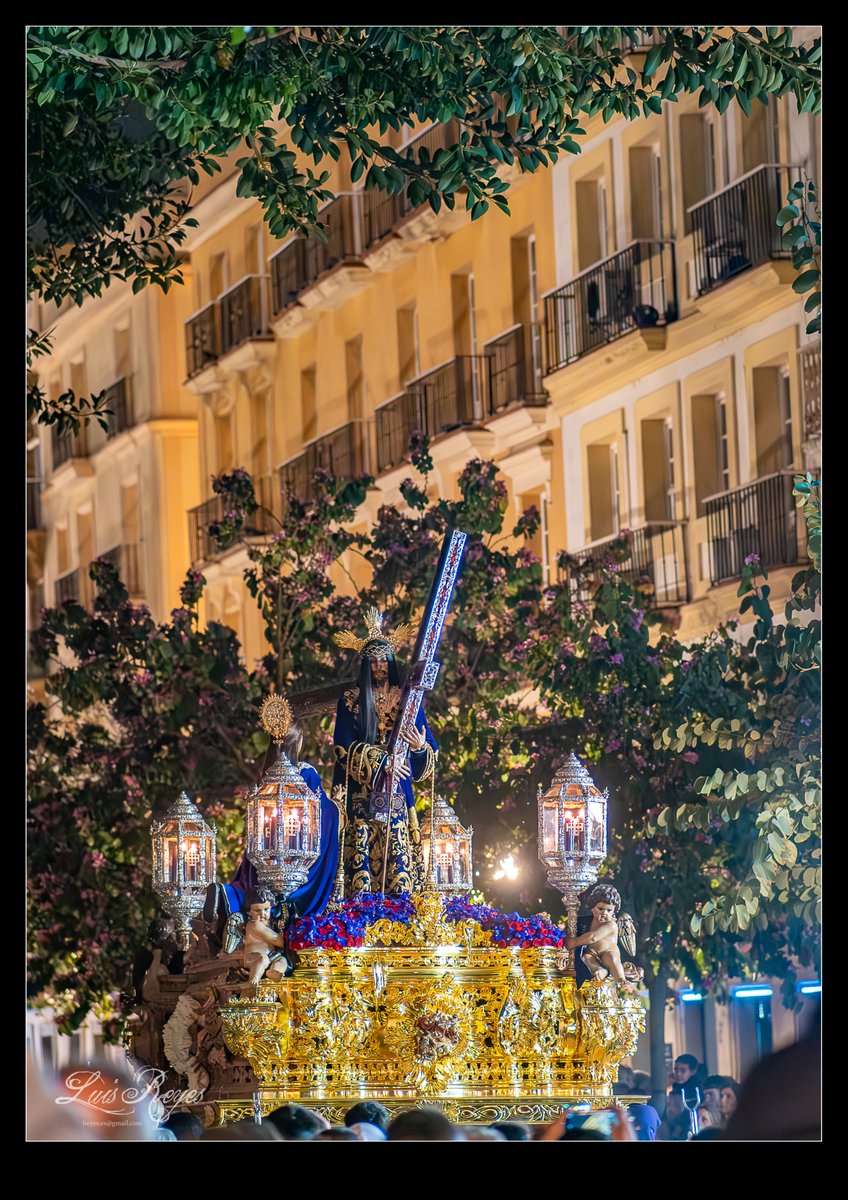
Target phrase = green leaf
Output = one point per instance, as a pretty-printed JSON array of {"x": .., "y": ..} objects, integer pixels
[
  {"x": 789, "y": 213},
  {"x": 653, "y": 60},
  {"x": 806, "y": 280}
]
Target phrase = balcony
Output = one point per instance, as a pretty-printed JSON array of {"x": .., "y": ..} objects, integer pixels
[
  {"x": 655, "y": 564},
  {"x": 67, "y": 447},
  {"x": 633, "y": 289},
  {"x": 34, "y": 518},
  {"x": 203, "y": 339},
  {"x": 758, "y": 518},
  {"x": 514, "y": 375},
  {"x": 203, "y": 547},
  {"x": 125, "y": 561},
  {"x": 70, "y": 586},
  {"x": 343, "y": 453},
  {"x": 118, "y": 399},
  {"x": 809, "y": 362},
  {"x": 382, "y": 213},
  {"x": 735, "y": 229},
  {"x": 303, "y": 261}
]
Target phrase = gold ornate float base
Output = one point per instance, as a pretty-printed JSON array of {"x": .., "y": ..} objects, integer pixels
[{"x": 413, "y": 1018}]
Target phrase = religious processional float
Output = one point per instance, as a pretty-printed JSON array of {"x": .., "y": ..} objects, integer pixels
[{"x": 400, "y": 989}]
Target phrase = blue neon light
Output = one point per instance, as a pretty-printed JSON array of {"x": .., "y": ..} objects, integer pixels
[
  {"x": 810, "y": 987},
  {"x": 689, "y": 997},
  {"x": 751, "y": 993}
]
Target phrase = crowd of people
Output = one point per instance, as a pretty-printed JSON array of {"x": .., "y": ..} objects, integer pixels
[{"x": 697, "y": 1107}]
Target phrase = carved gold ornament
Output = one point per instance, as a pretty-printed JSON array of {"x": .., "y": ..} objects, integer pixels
[{"x": 275, "y": 716}]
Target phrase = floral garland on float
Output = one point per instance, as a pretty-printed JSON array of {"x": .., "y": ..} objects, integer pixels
[{"x": 346, "y": 927}]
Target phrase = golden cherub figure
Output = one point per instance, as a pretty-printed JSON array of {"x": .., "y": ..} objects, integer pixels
[{"x": 601, "y": 956}]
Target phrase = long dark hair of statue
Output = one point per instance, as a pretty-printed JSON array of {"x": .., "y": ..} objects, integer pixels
[{"x": 367, "y": 709}]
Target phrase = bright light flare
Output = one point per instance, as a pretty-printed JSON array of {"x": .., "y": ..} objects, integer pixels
[{"x": 507, "y": 868}]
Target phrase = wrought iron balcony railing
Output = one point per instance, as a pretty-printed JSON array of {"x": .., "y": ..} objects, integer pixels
[
  {"x": 653, "y": 561},
  {"x": 244, "y": 312},
  {"x": 125, "y": 560},
  {"x": 809, "y": 358},
  {"x": 67, "y": 446},
  {"x": 119, "y": 400},
  {"x": 302, "y": 261},
  {"x": 34, "y": 518},
  {"x": 757, "y": 518},
  {"x": 203, "y": 546},
  {"x": 70, "y": 586},
  {"x": 735, "y": 229},
  {"x": 343, "y": 453},
  {"x": 633, "y": 289},
  {"x": 381, "y": 213},
  {"x": 203, "y": 339},
  {"x": 514, "y": 373}
]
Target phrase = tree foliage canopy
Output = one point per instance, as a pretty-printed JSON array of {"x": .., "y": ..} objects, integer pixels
[{"x": 121, "y": 118}]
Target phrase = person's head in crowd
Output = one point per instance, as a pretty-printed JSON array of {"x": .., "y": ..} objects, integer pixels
[
  {"x": 645, "y": 1120},
  {"x": 675, "y": 1127},
  {"x": 422, "y": 1125},
  {"x": 706, "y": 1120},
  {"x": 295, "y": 1123},
  {"x": 711, "y": 1095},
  {"x": 481, "y": 1133},
  {"x": 641, "y": 1083},
  {"x": 584, "y": 1135},
  {"x": 185, "y": 1126},
  {"x": 370, "y": 1111},
  {"x": 366, "y": 1132},
  {"x": 514, "y": 1131},
  {"x": 242, "y": 1131},
  {"x": 729, "y": 1098},
  {"x": 710, "y": 1134},
  {"x": 336, "y": 1133},
  {"x": 685, "y": 1068},
  {"x": 625, "y": 1081},
  {"x": 164, "y": 1135}
]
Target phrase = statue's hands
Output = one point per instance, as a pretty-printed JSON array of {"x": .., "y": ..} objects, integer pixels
[
  {"x": 415, "y": 739},
  {"x": 403, "y": 770}
]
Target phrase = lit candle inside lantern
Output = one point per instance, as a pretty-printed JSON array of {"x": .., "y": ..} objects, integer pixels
[
  {"x": 172, "y": 862},
  {"x": 269, "y": 829},
  {"x": 293, "y": 831},
  {"x": 191, "y": 861}
]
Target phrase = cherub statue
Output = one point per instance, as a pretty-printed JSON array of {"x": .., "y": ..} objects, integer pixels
[
  {"x": 261, "y": 943},
  {"x": 600, "y": 954}
]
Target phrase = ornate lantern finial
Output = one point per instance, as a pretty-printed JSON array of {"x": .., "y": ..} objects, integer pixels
[
  {"x": 572, "y": 832},
  {"x": 447, "y": 849},
  {"x": 283, "y": 813},
  {"x": 183, "y": 863}
]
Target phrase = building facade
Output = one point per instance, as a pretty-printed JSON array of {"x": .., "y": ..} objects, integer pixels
[{"x": 626, "y": 346}]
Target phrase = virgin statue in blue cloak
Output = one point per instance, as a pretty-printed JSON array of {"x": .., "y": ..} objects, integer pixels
[{"x": 364, "y": 719}]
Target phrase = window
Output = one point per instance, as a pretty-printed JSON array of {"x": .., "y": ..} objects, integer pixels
[
  {"x": 711, "y": 447},
  {"x": 462, "y": 308},
  {"x": 592, "y": 233},
  {"x": 697, "y": 161},
  {"x": 123, "y": 353},
  {"x": 525, "y": 304},
  {"x": 760, "y": 139},
  {"x": 354, "y": 378},
  {"x": 224, "y": 440},
  {"x": 658, "y": 469},
  {"x": 253, "y": 250},
  {"x": 603, "y": 490},
  {"x": 308, "y": 407},
  {"x": 218, "y": 275},
  {"x": 409, "y": 360},
  {"x": 772, "y": 419},
  {"x": 63, "y": 553},
  {"x": 645, "y": 193}
]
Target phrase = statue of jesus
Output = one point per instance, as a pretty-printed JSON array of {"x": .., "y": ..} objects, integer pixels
[{"x": 364, "y": 719}]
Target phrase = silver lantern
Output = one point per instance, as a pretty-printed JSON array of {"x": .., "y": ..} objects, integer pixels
[
  {"x": 447, "y": 849},
  {"x": 572, "y": 833},
  {"x": 183, "y": 863},
  {"x": 283, "y": 827}
]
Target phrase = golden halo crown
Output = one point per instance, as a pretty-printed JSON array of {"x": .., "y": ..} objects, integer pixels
[
  {"x": 348, "y": 640},
  {"x": 275, "y": 716}
]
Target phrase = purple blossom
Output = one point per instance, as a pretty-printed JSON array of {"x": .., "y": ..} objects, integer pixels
[
  {"x": 689, "y": 756},
  {"x": 617, "y": 658},
  {"x": 597, "y": 643},
  {"x": 752, "y": 559}
]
